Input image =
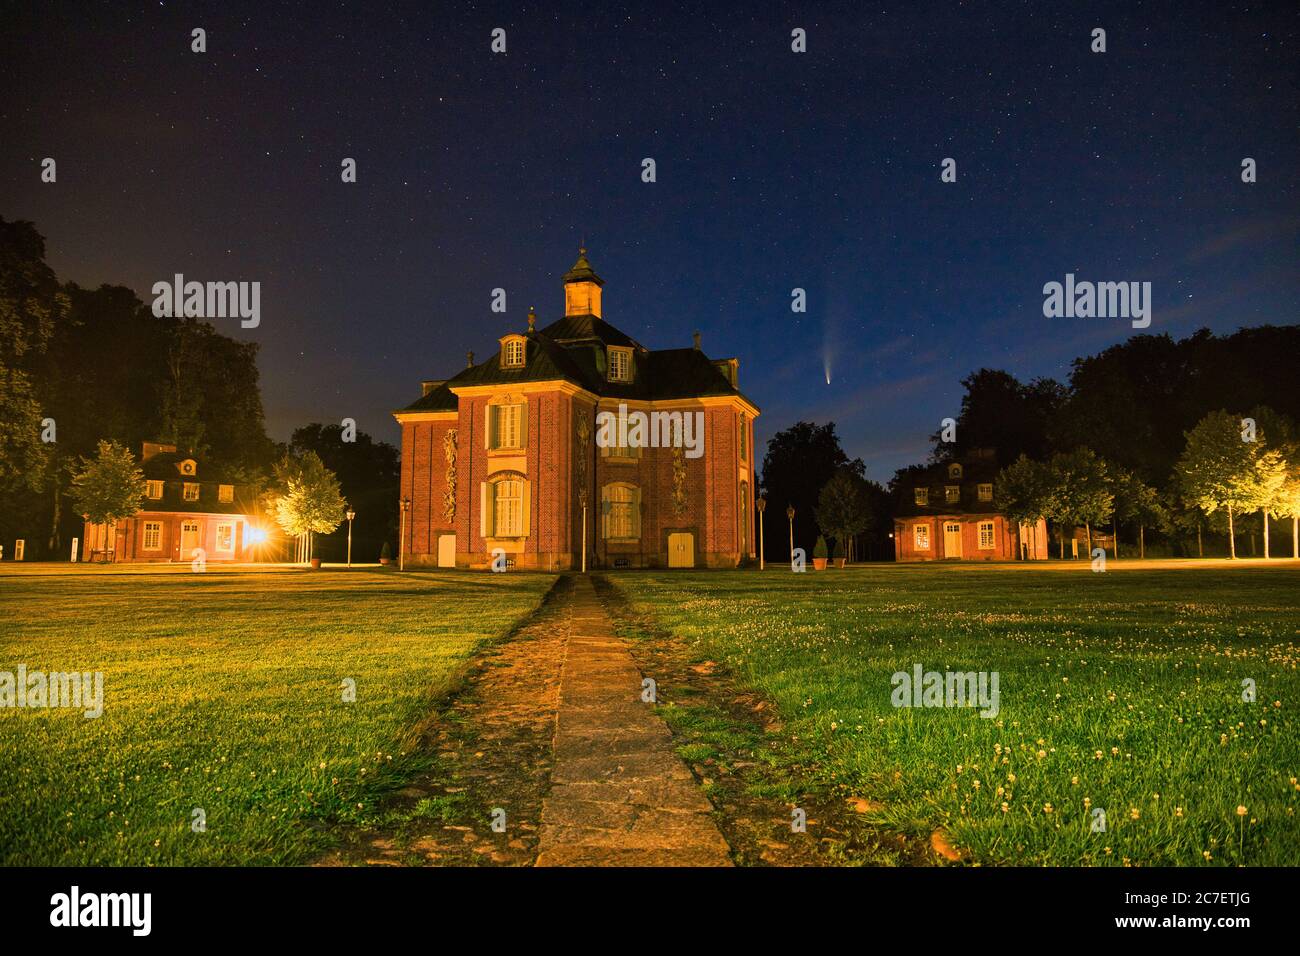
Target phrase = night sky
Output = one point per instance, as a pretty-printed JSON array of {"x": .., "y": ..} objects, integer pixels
[{"x": 775, "y": 170}]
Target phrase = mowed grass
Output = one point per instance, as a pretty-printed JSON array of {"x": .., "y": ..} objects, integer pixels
[
  {"x": 1119, "y": 691},
  {"x": 223, "y": 692}
]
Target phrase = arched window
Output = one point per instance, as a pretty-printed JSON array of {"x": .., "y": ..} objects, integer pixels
[
  {"x": 620, "y": 512},
  {"x": 504, "y": 506}
]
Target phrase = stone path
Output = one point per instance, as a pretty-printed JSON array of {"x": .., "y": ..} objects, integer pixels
[{"x": 620, "y": 795}]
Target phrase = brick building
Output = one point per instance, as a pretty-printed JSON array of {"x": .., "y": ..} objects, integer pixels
[
  {"x": 509, "y": 456},
  {"x": 947, "y": 512},
  {"x": 185, "y": 508}
]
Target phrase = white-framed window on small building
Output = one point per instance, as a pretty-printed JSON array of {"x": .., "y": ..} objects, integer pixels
[
  {"x": 620, "y": 507},
  {"x": 152, "y": 536},
  {"x": 620, "y": 364},
  {"x": 225, "y": 536},
  {"x": 921, "y": 496},
  {"x": 921, "y": 536},
  {"x": 153, "y": 489},
  {"x": 952, "y": 494},
  {"x": 986, "y": 535},
  {"x": 954, "y": 471},
  {"x": 190, "y": 491},
  {"x": 986, "y": 491},
  {"x": 225, "y": 494}
]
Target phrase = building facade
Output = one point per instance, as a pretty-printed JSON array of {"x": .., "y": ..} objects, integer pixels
[
  {"x": 574, "y": 441},
  {"x": 187, "y": 513},
  {"x": 947, "y": 513}
]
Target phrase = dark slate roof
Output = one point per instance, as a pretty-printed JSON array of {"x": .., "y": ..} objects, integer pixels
[
  {"x": 582, "y": 271},
  {"x": 976, "y": 470},
  {"x": 573, "y": 350},
  {"x": 165, "y": 466}
]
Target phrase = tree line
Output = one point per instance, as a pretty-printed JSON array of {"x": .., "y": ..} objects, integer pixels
[{"x": 83, "y": 366}]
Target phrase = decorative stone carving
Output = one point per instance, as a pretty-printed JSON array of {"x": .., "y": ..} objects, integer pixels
[
  {"x": 584, "y": 445},
  {"x": 679, "y": 481},
  {"x": 449, "y": 496}
]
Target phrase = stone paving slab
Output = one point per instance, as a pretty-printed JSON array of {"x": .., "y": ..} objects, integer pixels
[{"x": 620, "y": 795}]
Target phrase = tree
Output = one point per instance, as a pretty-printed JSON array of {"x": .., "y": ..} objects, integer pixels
[
  {"x": 109, "y": 487},
  {"x": 799, "y": 462},
  {"x": 306, "y": 498},
  {"x": 843, "y": 508},
  {"x": 1277, "y": 434},
  {"x": 1287, "y": 502},
  {"x": 1025, "y": 491},
  {"x": 999, "y": 412},
  {"x": 1138, "y": 502},
  {"x": 369, "y": 474},
  {"x": 1219, "y": 471},
  {"x": 1081, "y": 492},
  {"x": 30, "y": 303}
]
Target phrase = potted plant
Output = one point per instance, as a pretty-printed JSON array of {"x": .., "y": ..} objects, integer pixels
[
  {"x": 819, "y": 554},
  {"x": 385, "y": 554},
  {"x": 839, "y": 552},
  {"x": 315, "y": 564}
]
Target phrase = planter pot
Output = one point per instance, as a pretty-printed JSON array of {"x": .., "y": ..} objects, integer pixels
[
  {"x": 839, "y": 562},
  {"x": 385, "y": 560},
  {"x": 315, "y": 564},
  {"x": 819, "y": 564}
]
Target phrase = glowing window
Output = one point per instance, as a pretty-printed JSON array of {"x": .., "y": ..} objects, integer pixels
[
  {"x": 153, "y": 535},
  {"x": 154, "y": 489},
  {"x": 922, "y": 535},
  {"x": 921, "y": 496},
  {"x": 191, "y": 491},
  {"x": 986, "y": 535}
]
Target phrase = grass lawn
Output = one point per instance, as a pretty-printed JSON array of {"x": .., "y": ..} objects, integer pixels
[
  {"x": 1120, "y": 691},
  {"x": 223, "y": 691}
]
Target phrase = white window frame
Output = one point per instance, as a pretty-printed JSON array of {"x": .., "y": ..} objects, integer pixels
[
  {"x": 507, "y": 501},
  {"x": 986, "y": 527},
  {"x": 621, "y": 515},
  {"x": 229, "y": 526},
  {"x": 951, "y": 494},
  {"x": 921, "y": 496},
  {"x": 186, "y": 488},
  {"x": 921, "y": 537},
  {"x": 513, "y": 353},
  {"x": 985, "y": 491},
  {"x": 620, "y": 364},
  {"x": 225, "y": 494},
  {"x": 507, "y": 427},
  {"x": 154, "y": 528},
  {"x": 152, "y": 484}
]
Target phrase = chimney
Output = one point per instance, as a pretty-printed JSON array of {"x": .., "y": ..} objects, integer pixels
[
  {"x": 431, "y": 385},
  {"x": 469, "y": 359},
  {"x": 697, "y": 341},
  {"x": 532, "y": 320}
]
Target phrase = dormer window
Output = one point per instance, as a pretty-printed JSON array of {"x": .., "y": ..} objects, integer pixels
[
  {"x": 921, "y": 496},
  {"x": 620, "y": 364},
  {"x": 512, "y": 352},
  {"x": 954, "y": 471},
  {"x": 951, "y": 494},
  {"x": 187, "y": 466}
]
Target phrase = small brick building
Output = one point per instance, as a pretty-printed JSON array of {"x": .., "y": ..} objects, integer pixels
[
  {"x": 185, "y": 508},
  {"x": 505, "y": 457},
  {"x": 947, "y": 513}
]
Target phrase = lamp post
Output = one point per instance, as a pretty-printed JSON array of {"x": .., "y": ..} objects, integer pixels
[
  {"x": 351, "y": 514},
  {"x": 789, "y": 513},
  {"x": 761, "y": 505},
  {"x": 401, "y": 542}
]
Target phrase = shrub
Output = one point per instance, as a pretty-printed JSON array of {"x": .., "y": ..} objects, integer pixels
[
  {"x": 819, "y": 549},
  {"x": 385, "y": 552}
]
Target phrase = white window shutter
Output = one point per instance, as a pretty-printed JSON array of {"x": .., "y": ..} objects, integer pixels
[
  {"x": 487, "y": 427},
  {"x": 526, "y": 492},
  {"x": 484, "y": 512},
  {"x": 523, "y": 426}
]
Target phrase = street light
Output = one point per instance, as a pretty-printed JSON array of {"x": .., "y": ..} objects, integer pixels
[
  {"x": 401, "y": 542},
  {"x": 789, "y": 513},
  {"x": 761, "y": 505},
  {"x": 351, "y": 514}
]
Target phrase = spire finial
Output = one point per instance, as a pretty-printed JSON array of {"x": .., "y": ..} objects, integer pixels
[
  {"x": 469, "y": 359},
  {"x": 532, "y": 319}
]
